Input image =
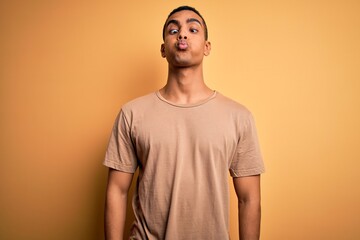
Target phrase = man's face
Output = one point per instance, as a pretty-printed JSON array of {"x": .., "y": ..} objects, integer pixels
[{"x": 185, "y": 44}]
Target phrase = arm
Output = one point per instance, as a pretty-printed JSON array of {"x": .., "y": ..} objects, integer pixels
[
  {"x": 248, "y": 193},
  {"x": 116, "y": 201}
]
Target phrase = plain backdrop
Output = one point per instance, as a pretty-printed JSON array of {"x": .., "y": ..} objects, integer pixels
[{"x": 66, "y": 68}]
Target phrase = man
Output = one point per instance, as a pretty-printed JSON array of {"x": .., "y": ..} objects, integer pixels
[{"x": 184, "y": 139}]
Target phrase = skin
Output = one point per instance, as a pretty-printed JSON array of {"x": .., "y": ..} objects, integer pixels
[
  {"x": 184, "y": 48},
  {"x": 185, "y": 82},
  {"x": 248, "y": 193},
  {"x": 115, "y": 203}
]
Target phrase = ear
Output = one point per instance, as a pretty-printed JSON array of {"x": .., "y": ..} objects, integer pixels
[
  {"x": 207, "y": 48},
  {"x": 162, "y": 50}
]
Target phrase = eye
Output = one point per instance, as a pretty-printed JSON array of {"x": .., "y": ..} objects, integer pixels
[
  {"x": 194, "y": 30},
  {"x": 173, "y": 31}
]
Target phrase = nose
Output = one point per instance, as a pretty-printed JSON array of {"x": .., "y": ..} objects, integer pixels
[{"x": 182, "y": 35}]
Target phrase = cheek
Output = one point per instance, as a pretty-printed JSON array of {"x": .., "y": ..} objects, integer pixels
[
  {"x": 169, "y": 44},
  {"x": 200, "y": 47}
]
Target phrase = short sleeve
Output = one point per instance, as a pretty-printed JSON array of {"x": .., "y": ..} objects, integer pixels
[
  {"x": 247, "y": 160},
  {"x": 120, "y": 153}
]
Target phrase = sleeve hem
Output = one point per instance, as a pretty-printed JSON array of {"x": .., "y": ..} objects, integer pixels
[
  {"x": 246, "y": 172},
  {"x": 119, "y": 167}
]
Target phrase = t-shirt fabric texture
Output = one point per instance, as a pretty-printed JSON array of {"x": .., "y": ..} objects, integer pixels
[{"x": 184, "y": 154}]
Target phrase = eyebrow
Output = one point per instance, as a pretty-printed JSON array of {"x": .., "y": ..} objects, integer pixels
[
  {"x": 177, "y": 23},
  {"x": 193, "y": 20}
]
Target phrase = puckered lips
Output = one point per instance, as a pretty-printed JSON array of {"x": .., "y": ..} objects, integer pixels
[{"x": 182, "y": 45}]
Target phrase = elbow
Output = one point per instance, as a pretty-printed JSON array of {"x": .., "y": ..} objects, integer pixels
[{"x": 250, "y": 201}]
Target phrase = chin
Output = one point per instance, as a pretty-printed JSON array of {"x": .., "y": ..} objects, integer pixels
[
  {"x": 183, "y": 64},
  {"x": 180, "y": 62}
]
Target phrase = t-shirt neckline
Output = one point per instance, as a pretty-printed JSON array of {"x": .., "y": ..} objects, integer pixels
[{"x": 158, "y": 94}]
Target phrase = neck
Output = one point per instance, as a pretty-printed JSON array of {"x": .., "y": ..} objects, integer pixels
[{"x": 185, "y": 86}]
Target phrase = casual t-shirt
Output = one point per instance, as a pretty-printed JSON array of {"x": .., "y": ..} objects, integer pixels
[{"x": 183, "y": 153}]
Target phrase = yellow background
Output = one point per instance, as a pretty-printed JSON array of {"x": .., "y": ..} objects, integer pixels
[{"x": 66, "y": 67}]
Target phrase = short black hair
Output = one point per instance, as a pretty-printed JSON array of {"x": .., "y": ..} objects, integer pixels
[{"x": 182, "y": 8}]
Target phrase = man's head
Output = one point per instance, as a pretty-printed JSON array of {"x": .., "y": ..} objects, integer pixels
[
  {"x": 183, "y": 8},
  {"x": 185, "y": 38}
]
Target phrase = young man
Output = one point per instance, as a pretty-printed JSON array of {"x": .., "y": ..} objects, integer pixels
[{"x": 184, "y": 139}]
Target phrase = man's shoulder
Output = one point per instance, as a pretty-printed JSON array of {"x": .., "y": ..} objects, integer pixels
[
  {"x": 232, "y": 105},
  {"x": 141, "y": 102}
]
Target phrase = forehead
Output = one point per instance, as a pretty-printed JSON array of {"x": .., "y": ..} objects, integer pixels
[{"x": 184, "y": 15}]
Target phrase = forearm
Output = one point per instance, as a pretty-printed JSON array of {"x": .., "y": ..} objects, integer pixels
[
  {"x": 115, "y": 214},
  {"x": 249, "y": 220}
]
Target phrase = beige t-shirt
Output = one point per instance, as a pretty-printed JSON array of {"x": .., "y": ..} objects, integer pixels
[{"x": 184, "y": 153}]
